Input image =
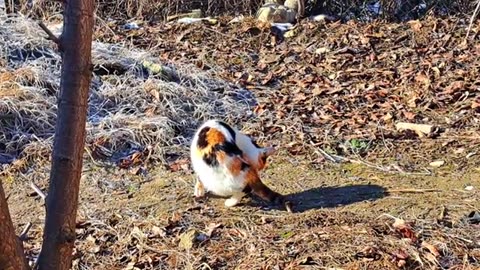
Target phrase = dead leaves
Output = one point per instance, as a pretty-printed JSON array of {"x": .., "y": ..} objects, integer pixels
[
  {"x": 403, "y": 229},
  {"x": 368, "y": 253},
  {"x": 417, "y": 249}
]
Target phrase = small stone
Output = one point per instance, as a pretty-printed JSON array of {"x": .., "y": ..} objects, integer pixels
[{"x": 437, "y": 163}]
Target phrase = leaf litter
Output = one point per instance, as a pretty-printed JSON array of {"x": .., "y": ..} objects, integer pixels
[{"x": 321, "y": 87}]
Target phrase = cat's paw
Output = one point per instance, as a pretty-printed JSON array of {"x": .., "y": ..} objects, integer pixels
[
  {"x": 199, "y": 193},
  {"x": 231, "y": 202}
]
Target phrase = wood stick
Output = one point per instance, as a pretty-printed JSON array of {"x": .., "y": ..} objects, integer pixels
[
  {"x": 38, "y": 191},
  {"x": 23, "y": 235}
]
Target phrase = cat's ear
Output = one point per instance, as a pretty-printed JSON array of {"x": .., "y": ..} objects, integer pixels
[{"x": 268, "y": 151}]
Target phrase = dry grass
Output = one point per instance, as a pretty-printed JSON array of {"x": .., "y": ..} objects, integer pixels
[
  {"x": 159, "y": 10},
  {"x": 128, "y": 112}
]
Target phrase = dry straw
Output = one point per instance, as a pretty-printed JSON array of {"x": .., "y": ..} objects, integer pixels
[{"x": 131, "y": 110}]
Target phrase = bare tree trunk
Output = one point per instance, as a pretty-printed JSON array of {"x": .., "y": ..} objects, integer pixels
[
  {"x": 11, "y": 249},
  {"x": 62, "y": 200}
]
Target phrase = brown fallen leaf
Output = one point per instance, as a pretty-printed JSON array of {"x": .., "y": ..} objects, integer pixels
[
  {"x": 212, "y": 227},
  {"x": 368, "y": 253},
  {"x": 454, "y": 86},
  {"x": 238, "y": 233},
  {"x": 431, "y": 248},
  {"x": 409, "y": 115},
  {"x": 180, "y": 164},
  {"x": 416, "y": 25},
  {"x": 404, "y": 229}
]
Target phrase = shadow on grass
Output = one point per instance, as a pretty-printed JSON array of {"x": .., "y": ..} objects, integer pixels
[{"x": 327, "y": 197}]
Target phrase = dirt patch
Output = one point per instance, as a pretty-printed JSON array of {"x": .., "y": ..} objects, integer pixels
[{"x": 337, "y": 222}]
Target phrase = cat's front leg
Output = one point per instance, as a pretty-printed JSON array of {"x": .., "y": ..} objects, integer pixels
[{"x": 235, "y": 199}]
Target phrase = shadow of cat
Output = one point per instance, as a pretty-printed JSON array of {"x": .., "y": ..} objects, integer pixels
[{"x": 327, "y": 197}]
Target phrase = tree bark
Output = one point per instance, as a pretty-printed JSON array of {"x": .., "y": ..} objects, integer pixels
[
  {"x": 11, "y": 249},
  {"x": 62, "y": 199}
]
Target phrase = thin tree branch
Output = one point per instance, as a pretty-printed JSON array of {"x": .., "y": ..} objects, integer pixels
[{"x": 51, "y": 36}]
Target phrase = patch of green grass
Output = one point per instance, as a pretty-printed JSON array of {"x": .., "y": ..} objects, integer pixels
[{"x": 358, "y": 146}]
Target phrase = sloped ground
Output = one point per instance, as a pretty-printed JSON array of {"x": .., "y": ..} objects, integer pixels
[{"x": 330, "y": 92}]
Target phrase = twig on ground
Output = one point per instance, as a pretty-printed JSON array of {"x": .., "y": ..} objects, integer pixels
[
  {"x": 381, "y": 168},
  {"x": 24, "y": 234},
  {"x": 413, "y": 190},
  {"x": 320, "y": 151},
  {"x": 463, "y": 239},
  {"x": 38, "y": 191},
  {"x": 51, "y": 36},
  {"x": 328, "y": 156},
  {"x": 474, "y": 15},
  {"x": 337, "y": 158}
]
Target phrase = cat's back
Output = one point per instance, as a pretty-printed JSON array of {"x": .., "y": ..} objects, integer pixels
[{"x": 214, "y": 153}]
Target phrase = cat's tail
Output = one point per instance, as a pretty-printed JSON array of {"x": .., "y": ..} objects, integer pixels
[{"x": 258, "y": 188}]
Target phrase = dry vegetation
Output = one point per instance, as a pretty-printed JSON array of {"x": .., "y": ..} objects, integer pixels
[
  {"x": 155, "y": 10},
  {"x": 330, "y": 95}
]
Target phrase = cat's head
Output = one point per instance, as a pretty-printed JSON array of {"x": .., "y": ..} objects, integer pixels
[{"x": 264, "y": 153}]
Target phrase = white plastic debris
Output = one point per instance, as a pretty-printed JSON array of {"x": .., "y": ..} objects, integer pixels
[
  {"x": 237, "y": 19},
  {"x": 322, "y": 18},
  {"x": 191, "y": 20},
  {"x": 283, "y": 26},
  {"x": 131, "y": 26}
]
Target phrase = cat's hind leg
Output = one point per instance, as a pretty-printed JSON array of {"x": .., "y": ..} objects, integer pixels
[{"x": 199, "y": 190}]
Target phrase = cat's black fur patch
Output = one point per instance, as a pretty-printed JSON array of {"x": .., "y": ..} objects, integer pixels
[
  {"x": 202, "y": 138},
  {"x": 255, "y": 143},
  {"x": 211, "y": 159},
  {"x": 247, "y": 189},
  {"x": 229, "y": 128},
  {"x": 229, "y": 148},
  {"x": 244, "y": 166}
]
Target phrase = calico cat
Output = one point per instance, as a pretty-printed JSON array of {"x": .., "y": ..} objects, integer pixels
[{"x": 227, "y": 163}]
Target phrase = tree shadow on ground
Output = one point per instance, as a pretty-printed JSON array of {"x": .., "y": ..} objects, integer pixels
[{"x": 327, "y": 197}]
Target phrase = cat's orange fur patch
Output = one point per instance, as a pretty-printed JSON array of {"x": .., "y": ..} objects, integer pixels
[
  {"x": 261, "y": 164},
  {"x": 215, "y": 136},
  {"x": 235, "y": 166},
  {"x": 221, "y": 156}
]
